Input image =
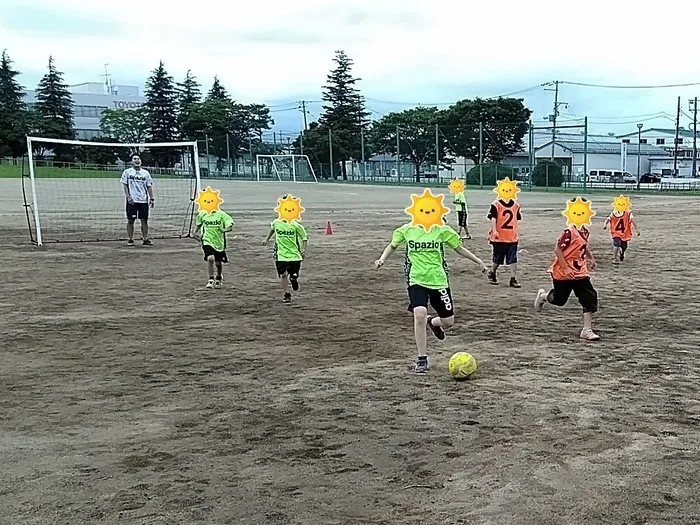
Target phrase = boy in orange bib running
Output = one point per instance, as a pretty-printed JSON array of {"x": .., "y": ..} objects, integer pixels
[
  {"x": 572, "y": 260},
  {"x": 503, "y": 235},
  {"x": 621, "y": 221}
]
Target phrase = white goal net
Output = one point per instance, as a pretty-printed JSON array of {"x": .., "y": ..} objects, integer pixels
[
  {"x": 83, "y": 199},
  {"x": 284, "y": 168}
]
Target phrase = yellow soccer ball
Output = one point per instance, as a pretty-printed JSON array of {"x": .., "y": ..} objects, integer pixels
[{"x": 462, "y": 366}]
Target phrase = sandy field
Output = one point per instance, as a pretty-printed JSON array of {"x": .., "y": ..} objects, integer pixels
[{"x": 131, "y": 395}]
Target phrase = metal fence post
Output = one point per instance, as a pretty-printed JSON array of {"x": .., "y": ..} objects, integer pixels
[{"x": 481, "y": 154}]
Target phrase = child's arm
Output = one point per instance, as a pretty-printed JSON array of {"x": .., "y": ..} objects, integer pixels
[
  {"x": 196, "y": 231},
  {"x": 566, "y": 268},
  {"x": 385, "y": 255},
  {"x": 634, "y": 225},
  {"x": 303, "y": 247},
  {"x": 461, "y": 250},
  {"x": 494, "y": 231},
  {"x": 269, "y": 236},
  {"x": 606, "y": 223},
  {"x": 591, "y": 260}
]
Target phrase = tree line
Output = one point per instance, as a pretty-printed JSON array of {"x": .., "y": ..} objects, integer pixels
[{"x": 484, "y": 130}]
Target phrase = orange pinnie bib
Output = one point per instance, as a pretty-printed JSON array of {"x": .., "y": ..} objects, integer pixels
[
  {"x": 575, "y": 255},
  {"x": 506, "y": 222},
  {"x": 621, "y": 226}
]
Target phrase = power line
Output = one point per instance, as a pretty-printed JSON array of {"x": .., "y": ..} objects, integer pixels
[{"x": 607, "y": 86}]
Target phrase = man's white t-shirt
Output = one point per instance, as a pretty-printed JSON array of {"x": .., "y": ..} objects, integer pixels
[{"x": 138, "y": 181}]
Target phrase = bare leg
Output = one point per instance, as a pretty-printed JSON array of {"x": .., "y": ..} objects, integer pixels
[
  {"x": 219, "y": 269},
  {"x": 587, "y": 320},
  {"x": 514, "y": 270},
  {"x": 494, "y": 267},
  {"x": 420, "y": 319},
  {"x": 130, "y": 230},
  {"x": 444, "y": 323},
  {"x": 210, "y": 266},
  {"x": 284, "y": 281},
  {"x": 144, "y": 229}
]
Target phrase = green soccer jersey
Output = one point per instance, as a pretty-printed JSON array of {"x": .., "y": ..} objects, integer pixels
[
  {"x": 288, "y": 238},
  {"x": 460, "y": 201},
  {"x": 213, "y": 227},
  {"x": 425, "y": 263}
]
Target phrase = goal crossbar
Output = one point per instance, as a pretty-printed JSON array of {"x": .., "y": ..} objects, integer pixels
[{"x": 144, "y": 145}]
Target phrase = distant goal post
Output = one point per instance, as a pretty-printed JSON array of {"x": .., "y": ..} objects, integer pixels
[
  {"x": 83, "y": 201},
  {"x": 284, "y": 168}
]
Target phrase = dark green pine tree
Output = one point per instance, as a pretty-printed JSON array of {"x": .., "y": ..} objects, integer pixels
[
  {"x": 218, "y": 91},
  {"x": 189, "y": 93},
  {"x": 14, "y": 118},
  {"x": 161, "y": 107},
  {"x": 344, "y": 111},
  {"x": 53, "y": 111}
]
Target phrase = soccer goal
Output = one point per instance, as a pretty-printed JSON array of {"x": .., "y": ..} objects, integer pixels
[
  {"x": 293, "y": 168},
  {"x": 84, "y": 201}
]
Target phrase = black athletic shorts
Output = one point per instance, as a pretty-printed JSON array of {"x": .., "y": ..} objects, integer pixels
[
  {"x": 583, "y": 290},
  {"x": 619, "y": 243},
  {"x": 462, "y": 218},
  {"x": 505, "y": 252},
  {"x": 288, "y": 267},
  {"x": 137, "y": 210},
  {"x": 440, "y": 300},
  {"x": 218, "y": 256}
]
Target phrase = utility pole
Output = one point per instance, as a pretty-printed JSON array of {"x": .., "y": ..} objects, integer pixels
[
  {"x": 675, "y": 146},
  {"x": 555, "y": 112},
  {"x": 302, "y": 107},
  {"x": 694, "y": 102}
]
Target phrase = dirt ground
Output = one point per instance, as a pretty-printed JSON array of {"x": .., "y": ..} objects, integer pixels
[{"x": 130, "y": 395}]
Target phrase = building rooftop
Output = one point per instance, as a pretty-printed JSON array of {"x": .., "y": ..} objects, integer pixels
[
  {"x": 685, "y": 133},
  {"x": 611, "y": 148}
]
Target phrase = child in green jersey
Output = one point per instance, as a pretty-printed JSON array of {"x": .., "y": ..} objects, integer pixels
[
  {"x": 214, "y": 228},
  {"x": 460, "y": 203},
  {"x": 290, "y": 247},
  {"x": 428, "y": 283}
]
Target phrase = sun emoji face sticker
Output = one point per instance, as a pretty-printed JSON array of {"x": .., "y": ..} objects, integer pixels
[
  {"x": 621, "y": 204},
  {"x": 427, "y": 210},
  {"x": 289, "y": 209},
  {"x": 456, "y": 186},
  {"x": 507, "y": 189},
  {"x": 578, "y": 212},
  {"x": 209, "y": 200}
]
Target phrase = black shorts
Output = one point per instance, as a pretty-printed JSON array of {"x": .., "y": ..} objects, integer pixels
[
  {"x": 218, "y": 256},
  {"x": 619, "y": 243},
  {"x": 440, "y": 300},
  {"x": 137, "y": 210},
  {"x": 505, "y": 252},
  {"x": 583, "y": 290},
  {"x": 462, "y": 218},
  {"x": 288, "y": 267}
]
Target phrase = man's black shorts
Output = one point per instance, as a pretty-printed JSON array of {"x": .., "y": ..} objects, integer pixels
[
  {"x": 288, "y": 267},
  {"x": 582, "y": 288},
  {"x": 462, "y": 218},
  {"x": 440, "y": 300},
  {"x": 505, "y": 252},
  {"x": 218, "y": 256},
  {"x": 137, "y": 210}
]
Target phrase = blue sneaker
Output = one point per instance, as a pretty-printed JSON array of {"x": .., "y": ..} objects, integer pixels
[{"x": 421, "y": 365}]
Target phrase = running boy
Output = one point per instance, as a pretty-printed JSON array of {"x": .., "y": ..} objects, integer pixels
[
  {"x": 214, "y": 226},
  {"x": 290, "y": 243},
  {"x": 426, "y": 270},
  {"x": 460, "y": 204},
  {"x": 621, "y": 221},
  {"x": 572, "y": 260},
  {"x": 505, "y": 217}
]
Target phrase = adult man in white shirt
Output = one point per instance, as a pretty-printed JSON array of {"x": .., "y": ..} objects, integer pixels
[{"x": 138, "y": 188}]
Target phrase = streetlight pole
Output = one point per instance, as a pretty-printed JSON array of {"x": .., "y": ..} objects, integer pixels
[{"x": 639, "y": 155}]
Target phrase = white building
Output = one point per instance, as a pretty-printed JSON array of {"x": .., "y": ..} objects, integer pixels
[
  {"x": 665, "y": 139},
  {"x": 90, "y": 99}
]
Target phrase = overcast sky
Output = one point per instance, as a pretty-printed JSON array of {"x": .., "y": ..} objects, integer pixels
[{"x": 405, "y": 51}]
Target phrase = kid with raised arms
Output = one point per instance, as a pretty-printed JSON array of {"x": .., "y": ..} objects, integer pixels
[
  {"x": 621, "y": 221},
  {"x": 425, "y": 238},
  {"x": 569, "y": 270},
  {"x": 290, "y": 243},
  {"x": 505, "y": 217}
]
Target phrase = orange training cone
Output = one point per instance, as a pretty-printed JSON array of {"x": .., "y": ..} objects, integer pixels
[{"x": 329, "y": 228}]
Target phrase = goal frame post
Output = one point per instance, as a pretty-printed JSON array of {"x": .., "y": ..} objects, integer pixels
[
  {"x": 140, "y": 145},
  {"x": 294, "y": 171}
]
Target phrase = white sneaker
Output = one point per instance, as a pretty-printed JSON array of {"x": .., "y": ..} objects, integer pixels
[
  {"x": 217, "y": 284},
  {"x": 210, "y": 284},
  {"x": 589, "y": 335},
  {"x": 540, "y": 299}
]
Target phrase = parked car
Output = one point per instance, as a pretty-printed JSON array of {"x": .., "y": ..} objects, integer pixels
[{"x": 649, "y": 178}]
